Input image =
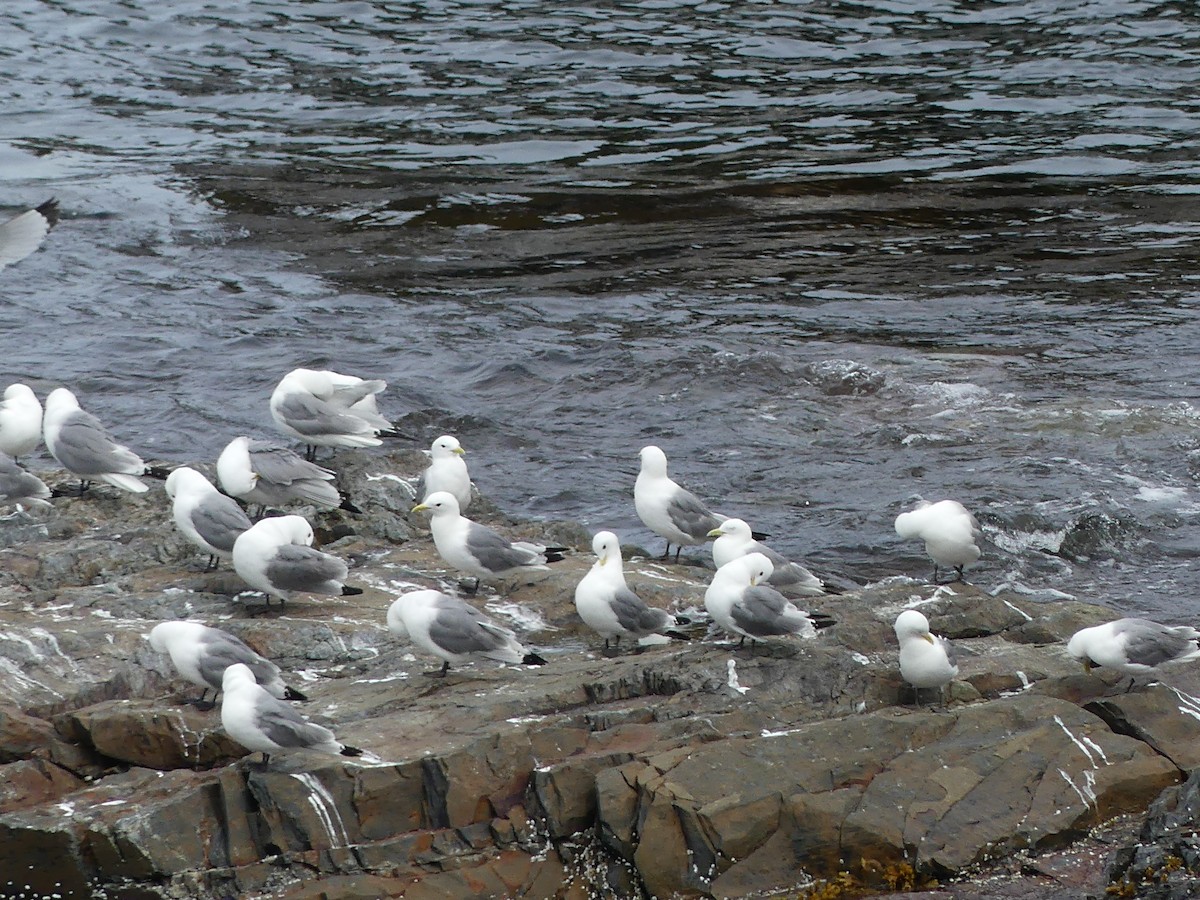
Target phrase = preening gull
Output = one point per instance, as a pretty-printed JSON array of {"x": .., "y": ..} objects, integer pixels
[
  {"x": 607, "y": 605},
  {"x": 20, "y": 421},
  {"x": 926, "y": 660},
  {"x": 741, "y": 601},
  {"x": 454, "y": 632},
  {"x": 447, "y": 471},
  {"x": 270, "y": 474},
  {"x": 734, "y": 538},
  {"x": 328, "y": 409},
  {"x": 83, "y": 447},
  {"x": 275, "y": 556},
  {"x": 24, "y": 232},
  {"x": 1134, "y": 646},
  {"x": 478, "y": 550},
  {"x": 666, "y": 508},
  {"x": 950, "y": 533},
  {"x": 201, "y": 655},
  {"x": 205, "y": 516},
  {"x": 258, "y": 721},
  {"x": 19, "y": 486}
]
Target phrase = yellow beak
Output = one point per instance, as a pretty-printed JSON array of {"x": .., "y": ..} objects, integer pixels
[
  {"x": 1088, "y": 665},
  {"x": 460, "y": 451},
  {"x": 929, "y": 637},
  {"x": 420, "y": 507},
  {"x": 716, "y": 532}
]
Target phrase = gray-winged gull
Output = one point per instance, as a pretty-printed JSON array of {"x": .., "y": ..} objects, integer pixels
[
  {"x": 269, "y": 474},
  {"x": 21, "y": 487},
  {"x": 734, "y": 538},
  {"x": 205, "y": 516},
  {"x": 327, "y": 409},
  {"x": 1134, "y": 646},
  {"x": 950, "y": 533},
  {"x": 741, "y": 601},
  {"x": 275, "y": 556},
  {"x": 20, "y": 421},
  {"x": 447, "y": 471},
  {"x": 83, "y": 447},
  {"x": 926, "y": 659},
  {"x": 607, "y": 605},
  {"x": 668, "y": 509}
]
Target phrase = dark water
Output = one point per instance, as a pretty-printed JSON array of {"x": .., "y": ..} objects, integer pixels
[{"x": 564, "y": 231}]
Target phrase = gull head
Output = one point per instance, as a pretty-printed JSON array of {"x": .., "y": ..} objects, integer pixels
[
  {"x": 735, "y": 527},
  {"x": 185, "y": 479},
  {"x": 654, "y": 461},
  {"x": 237, "y": 677},
  {"x": 61, "y": 398},
  {"x": 912, "y": 624},
  {"x": 439, "y": 503},
  {"x": 606, "y": 547},
  {"x": 445, "y": 447},
  {"x": 758, "y": 568}
]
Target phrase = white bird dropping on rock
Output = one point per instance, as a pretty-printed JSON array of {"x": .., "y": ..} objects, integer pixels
[
  {"x": 83, "y": 447},
  {"x": 734, "y": 538},
  {"x": 926, "y": 660},
  {"x": 20, "y": 421},
  {"x": 950, "y": 533},
  {"x": 205, "y": 516},
  {"x": 741, "y": 601},
  {"x": 258, "y": 721},
  {"x": 605, "y": 602},
  {"x": 328, "y": 409},
  {"x": 275, "y": 556},
  {"x": 24, "y": 232},
  {"x": 1134, "y": 646},
  {"x": 453, "y": 631},
  {"x": 666, "y": 508},
  {"x": 447, "y": 471}
]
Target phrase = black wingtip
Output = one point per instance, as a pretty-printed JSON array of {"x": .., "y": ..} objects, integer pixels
[
  {"x": 49, "y": 210},
  {"x": 158, "y": 472},
  {"x": 532, "y": 659},
  {"x": 348, "y": 591},
  {"x": 760, "y": 535},
  {"x": 292, "y": 694},
  {"x": 394, "y": 432},
  {"x": 677, "y": 635},
  {"x": 348, "y": 506},
  {"x": 556, "y": 554},
  {"x": 820, "y": 620},
  {"x": 350, "y": 751}
]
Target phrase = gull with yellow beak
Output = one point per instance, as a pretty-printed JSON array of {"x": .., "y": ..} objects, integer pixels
[
  {"x": 734, "y": 538},
  {"x": 447, "y": 472},
  {"x": 741, "y": 601},
  {"x": 1134, "y": 646},
  {"x": 607, "y": 605},
  {"x": 926, "y": 660}
]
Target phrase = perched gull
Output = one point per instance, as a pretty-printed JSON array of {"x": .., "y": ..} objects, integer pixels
[
  {"x": 454, "y": 632},
  {"x": 258, "y": 721},
  {"x": 447, "y": 472},
  {"x": 1135, "y": 646},
  {"x": 19, "y": 486},
  {"x": 20, "y": 421},
  {"x": 607, "y": 605},
  {"x": 270, "y": 474},
  {"x": 275, "y": 556},
  {"x": 667, "y": 509},
  {"x": 950, "y": 533},
  {"x": 201, "y": 655},
  {"x": 734, "y": 538},
  {"x": 926, "y": 660},
  {"x": 741, "y": 601},
  {"x": 205, "y": 516},
  {"x": 477, "y": 549},
  {"x": 81, "y": 445},
  {"x": 328, "y": 409},
  {"x": 24, "y": 233}
]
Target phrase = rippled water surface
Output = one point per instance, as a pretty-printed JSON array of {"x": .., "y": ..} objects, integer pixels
[{"x": 565, "y": 231}]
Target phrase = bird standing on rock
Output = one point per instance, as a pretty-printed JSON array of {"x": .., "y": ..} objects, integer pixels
[
  {"x": 734, "y": 538},
  {"x": 742, "y": 602},
  {"x": 276, "y": 556},
  {"x": 607, "y": 605},
  {"x": 950, "y": 533},
  {"x": 666, "y": 508},
  {"x": 328, "y": 409},
  {"x": 1134, "y": 646},
  {"x": 205, "y": 516},
  {"x": 926, "y": 660},
  {"x": 271, "y": 475},
  {"x": 20, "y": 421},
  {"x": 447, "y": 471},
  {"x": 83, "y": 447}
]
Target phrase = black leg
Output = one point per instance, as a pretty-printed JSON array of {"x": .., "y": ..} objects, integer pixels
[
  {"x": 667, "y": 552},
  {"x": 678, "y": 547},
  {"x": 959, "y": 570},
  {"x": 213, "y": 563},
  {"x": 935, "y": 573},
  {"x": 440, "y": 673}
]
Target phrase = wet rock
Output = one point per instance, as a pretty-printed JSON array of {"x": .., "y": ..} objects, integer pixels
[{"x": 844, "y": 376}]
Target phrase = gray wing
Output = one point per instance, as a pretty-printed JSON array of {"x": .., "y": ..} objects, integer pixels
[
  {"x": 219, "y": 651},
  {"x": 84, "y": 447},
  {"x": 298, "y": 568},
  {"x": 459, "y": 628},
  {"x": 219, "y": 520},
  {"x": 788, "y": 575},
  {"x": 495, "y": 553},
  {"x": 279, "y": 465},
  {"x": 286, "y": 727},
  {"x": 634, "y": 615},
  {"x": 1150, "y": 644},
  {"x": 309, "y": 415},
  {"x": 951, "y": 651},
  {"x": 691, "y": 516},
  {"x": 16, "y": 484},
  {"x": 760, "y": 612}
]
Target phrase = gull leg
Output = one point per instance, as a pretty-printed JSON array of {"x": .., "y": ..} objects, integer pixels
[
  {"x": 667, "y": 552},
  {"x": 935, "y": 573},
  {"x": 678, "y": 547},
  {"x": 440, "y": 673},
  {"x": 959, "y": 570},
  {"x": 213, "y": 563}
]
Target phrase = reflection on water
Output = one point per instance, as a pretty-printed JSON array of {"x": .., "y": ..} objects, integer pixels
[{"x": 563, "y": 232}]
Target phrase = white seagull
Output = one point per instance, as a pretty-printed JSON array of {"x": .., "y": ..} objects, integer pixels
[
  {"x": 328, "y": 409},
  {"x": 258, "y": 721},
  {"x": 24, "y": 232},
  {"x": 447, "y": 471},
  {"x": 20, "y": 487},
  {"x": 1134, "y": 646},
  {"x": 926, "y": 660},
  {"x": 20, "y": 421},
  {"x": 201, "y": 655},
  {"x": 734, "y": 538},
  {"x": 950, "y": 533},
  {"x": 453, "y": 631},
  {"x": 666, "y": 508},
  {"x": 83, "y": 447},
  {"x": 271, "y": 475},
  {"x": 607, "y": 605},
  {"x": 205, "y": 516},
  {"x": 478, "y": 550},
  {"x": 742, "y": 602},
  {"x": 276, "y": 556}
]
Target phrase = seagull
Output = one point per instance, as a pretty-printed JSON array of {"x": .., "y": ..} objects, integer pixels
[
  {"x": 454, "y": 632},
  {"x": 1135, "y": 646},
  {"x": 926, "y": 660},
  {"x": 20, "y": 487},
  {"x": 607, "y": 605},
  {"x": 276, "y": 556},
  {"x": 447, "y": 472},
  {"x": 741, "y": 601},
  {"x": 20, "y": 421},
  {"x": 272, "y": 475},
  {"x": 201, "y": 654},
  {"x": 734, "y": 538},
  {"x": 478, "y": 550},
  {"x": 83, "y": 447},
  {"x": 328, "y": 409},
  {"x": 24, "y": 232},
  {"x": 951, "y": 534},
  {"x": 667, "y": 509},
  {"x": 258, "y": 721},
  {"x": 205, "y": 516}
]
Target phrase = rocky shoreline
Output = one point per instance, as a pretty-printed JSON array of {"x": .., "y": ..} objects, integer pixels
[{"x": 683, "y": 769}]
